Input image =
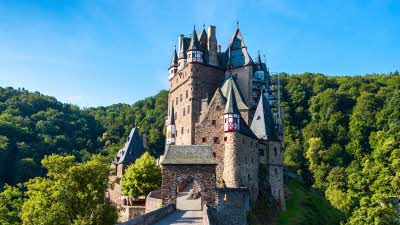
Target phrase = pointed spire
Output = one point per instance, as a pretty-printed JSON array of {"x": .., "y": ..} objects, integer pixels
[
  {"x": 194, "y": 42},
  {"x": 231, "y": 105},
  {"x": 263, "y": 124},
  {"x": 174, "y": 61},
  {"x": 258, "y": 58},
  {"x": 171, "y": 117},
  {"x": 203, "y": 39}
]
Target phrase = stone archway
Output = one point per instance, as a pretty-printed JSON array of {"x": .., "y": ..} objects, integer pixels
[
  {"x": 188, "y": 161},
  {"x": 203, "y": 175},
  {"x": 189, "y": 195}
]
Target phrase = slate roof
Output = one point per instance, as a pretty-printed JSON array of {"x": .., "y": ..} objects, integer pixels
[
  {"x": 183, "y": 47},
  {"x": 194, "y": 42},
  {"x": 203, "y": 40},
  {"x": 174, "y": 60},
  {"x": 263, "y": 123},
  {"x": 189, "y": 155},
  {"x": 231, "y": 105},
  {"x": 241, "y": 104},
  {"x": 171, "y": 117},
  {"x": 132, "y": 150},
  {"x": 237, "y": 53}
]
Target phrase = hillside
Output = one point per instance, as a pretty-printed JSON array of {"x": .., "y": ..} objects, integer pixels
[
  {"x": 342, "y": 136},
  {"x": 305, "y": 207},
  {"x": 33, "y": 125}
]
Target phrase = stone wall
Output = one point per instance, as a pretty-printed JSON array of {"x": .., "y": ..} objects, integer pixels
[
  {"x": 127, "y": 213},
  {"x": 187, "y": 89},
  {"x": 276, "y": 172},
  {"x": 207, "y": 132},
  {"x": 241, "y": 163},
  {"x": 233, "y": 206},
  {"x": 153, "y": 201},
  {"x": 172, "y": 175},
  {"x": 115, "y": 194},
  {"x": 152, "y": 217}
]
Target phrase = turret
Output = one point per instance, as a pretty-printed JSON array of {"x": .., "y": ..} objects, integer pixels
[
  {"x": 231, "y": 113},
  {"x": 212, "y": 46},
  {"x": 194, "y": 53},
  {"x": 173, "y": 68},
  {"x": 231, "y": 174},
  {"x": 171, "y": 128}
]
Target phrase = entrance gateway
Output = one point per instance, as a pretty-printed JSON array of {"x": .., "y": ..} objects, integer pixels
[{"x": 191, "y": 169}]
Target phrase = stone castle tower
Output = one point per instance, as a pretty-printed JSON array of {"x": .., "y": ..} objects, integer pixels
[{"x": 231, "y": 102}]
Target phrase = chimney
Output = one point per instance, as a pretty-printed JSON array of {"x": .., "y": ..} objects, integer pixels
[
  {"x": 219, "y": 49},
  {"x": 180, "y": 46},
  {"x": 212, "y": 46}
]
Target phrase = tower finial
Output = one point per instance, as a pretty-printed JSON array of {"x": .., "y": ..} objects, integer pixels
[
  {"x": 194, "y": 27},
  {"x": 204, "y": 26},
  {"x": 237, "y": 22}
]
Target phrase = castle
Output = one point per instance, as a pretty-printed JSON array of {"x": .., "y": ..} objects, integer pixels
[
  {"x": 225, "y": 122},
  {"x": 224, "y": 135}
]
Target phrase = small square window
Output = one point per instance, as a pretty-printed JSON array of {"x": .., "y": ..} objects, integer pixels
[
  {"x": 225, "y": 138},
  {"x": 216, "y": 140},
  {"x": 213, "y": 122},
  {"x": 203, "y": 140}
]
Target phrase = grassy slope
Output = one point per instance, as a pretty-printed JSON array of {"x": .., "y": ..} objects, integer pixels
[{"x": 306, "y": 207}]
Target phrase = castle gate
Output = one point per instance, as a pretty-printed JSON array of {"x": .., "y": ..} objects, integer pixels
[{"x": 192, "y": 163}]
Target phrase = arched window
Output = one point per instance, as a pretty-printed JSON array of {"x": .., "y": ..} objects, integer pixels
[
  {"x": 188, "y": 111},
  {"x": 184, "y": 111},
  {"x": 275, "y": 152},
  {"x": 187, "y": 93},
  {"x": 276, "y": 171}
]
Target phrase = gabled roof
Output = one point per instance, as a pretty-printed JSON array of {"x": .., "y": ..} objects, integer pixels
[
  {"x": 241, "y": 104},
  {"x": 237, "y": 53},
  {"x": 171, "y": 117},
  {"x": 132, "y": 150},
  {"x": 231, "y": 105},
  {"x": 194, "y": 42},
  {"x": 237, "y": 40},
  {"x": 189, "y": 155},
  {"x": 263, "y": 123}
]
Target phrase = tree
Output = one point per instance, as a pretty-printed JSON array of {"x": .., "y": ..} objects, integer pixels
[
  {"x": 11, "y": 200},
  {"x": 141, "y": 177},
  {"x": 71, "y": 193}
]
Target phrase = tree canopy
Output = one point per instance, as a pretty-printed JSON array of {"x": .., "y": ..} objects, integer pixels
[
  {"x": 71, "y": 193},
  {"x": 141, "y": 177}
]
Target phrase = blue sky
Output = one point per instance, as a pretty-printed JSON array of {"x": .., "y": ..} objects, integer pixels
[{"x": 93, "y": 53}]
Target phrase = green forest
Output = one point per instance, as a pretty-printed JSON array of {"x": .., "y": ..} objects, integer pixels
[{"x": 342, "y": 138}]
